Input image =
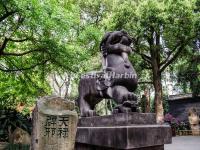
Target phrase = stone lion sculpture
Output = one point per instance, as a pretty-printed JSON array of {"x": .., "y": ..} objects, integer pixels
[{"x": 117, "y": 80}]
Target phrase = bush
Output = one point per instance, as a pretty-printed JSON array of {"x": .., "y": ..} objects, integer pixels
[
  {"x": 12, "y": 119},
  {"x": 175, "y": 122}
]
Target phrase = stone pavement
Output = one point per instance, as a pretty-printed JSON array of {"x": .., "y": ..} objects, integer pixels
[{"x": 184, "y": 143}]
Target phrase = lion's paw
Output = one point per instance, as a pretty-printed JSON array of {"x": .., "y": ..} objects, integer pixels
[{"x": 129, "y": 97}]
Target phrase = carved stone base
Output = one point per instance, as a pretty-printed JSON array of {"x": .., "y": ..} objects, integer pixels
[{"x": 133, "y": 131}]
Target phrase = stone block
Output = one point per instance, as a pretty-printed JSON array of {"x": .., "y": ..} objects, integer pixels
[
  {"x": 136, "y": 131},
  {"x": 54, "y": 124},
  {"x": 119, "y": 119}
]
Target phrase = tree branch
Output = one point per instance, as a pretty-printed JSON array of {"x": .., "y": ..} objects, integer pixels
[
  {"x": 3, "y": 46},
  {"x": 20, "y": 54},
  {"x": 4, "y": 6},
  {"x": 180, "y": 49},
  {"x": 27, "y": 77},
  {"x": 145, "y": 82},
  {"x": 145, "y": 57},
  {"x": 169, "y": 54},
  {"x": 168, "y": 61},
  {"x": 6, "y": 40},
  {"x": 56, "y": 81},
  {"x": 6, "y": 15},
  {"x": 18, "y": 40},
  {"x": 27, "y": 68}
]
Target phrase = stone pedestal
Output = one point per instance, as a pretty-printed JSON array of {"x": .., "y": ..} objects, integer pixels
[
  {"x": 54, "y": 124},
  {"x": 134, "y": 131}
]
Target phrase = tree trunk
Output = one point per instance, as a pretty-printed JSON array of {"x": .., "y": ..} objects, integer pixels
[
  {"x": 67, "y": 84},
  {"x": 147, "y": 95},
  {"x": 158, "y": 97}
]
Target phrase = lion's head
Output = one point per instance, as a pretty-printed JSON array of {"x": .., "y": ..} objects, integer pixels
[{"x": 111, "y": 38}]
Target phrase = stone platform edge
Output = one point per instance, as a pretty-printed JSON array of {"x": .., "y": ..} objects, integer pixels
[
  {"x": 120, "y": 119},
  {"x": 125, "y": 137}
]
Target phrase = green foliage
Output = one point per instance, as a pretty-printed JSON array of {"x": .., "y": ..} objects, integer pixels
[
  {"x": 40, "y": 37},
  {"x": 161, "y": 31},
  {"x": 142, "y": 104},
  {"x": 189, "y": 72},
  {"x": 175, "y": 21},
  {"x": 21, "y": 88},
  {"x": 63, "y": 36},
  {"x": 12, "y": 119},
  {"x": 105, "y": 107},
  {"x": 17, "y": 147}
]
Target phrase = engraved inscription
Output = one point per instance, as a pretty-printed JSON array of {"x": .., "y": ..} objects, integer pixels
[{"x": 56, "y": 126}]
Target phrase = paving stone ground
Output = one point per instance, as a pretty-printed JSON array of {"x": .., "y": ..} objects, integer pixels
[{"x": 184, "y": 143}]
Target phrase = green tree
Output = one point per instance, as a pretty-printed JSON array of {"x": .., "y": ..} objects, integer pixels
[
  {"x": 161, "y": 30},
  {"x": 189, "y": 72},
  {"x": 36, "y": 38},
  {"x": 35, "y": 33}
]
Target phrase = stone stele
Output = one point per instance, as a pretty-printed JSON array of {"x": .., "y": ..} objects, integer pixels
[{"x": 54, "y": 124}]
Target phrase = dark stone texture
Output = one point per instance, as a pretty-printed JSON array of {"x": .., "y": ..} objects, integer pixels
[
  {"x": 179, "y": 107},
  {"x": 125, "y": 137},
  {"x": 120, "y": 119},
  {"x": 117, "y": 80},
  {"x": 92, "y": 147},
  {"x": 132, "y": 131}
]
